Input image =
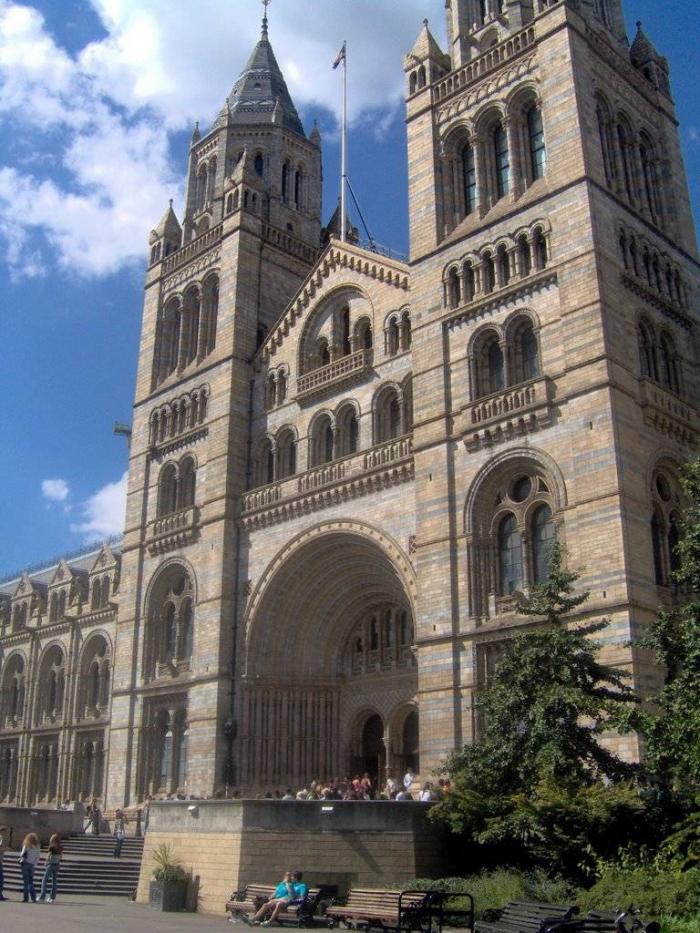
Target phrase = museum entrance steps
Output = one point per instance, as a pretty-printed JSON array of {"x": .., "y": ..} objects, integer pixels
[{"x": 87, "y": 867}]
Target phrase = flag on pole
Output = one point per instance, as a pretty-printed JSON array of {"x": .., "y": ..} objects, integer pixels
[{"x": 340, "y": 57}]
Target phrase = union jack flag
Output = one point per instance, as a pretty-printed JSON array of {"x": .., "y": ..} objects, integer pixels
[{"x": 340, "y": 57}]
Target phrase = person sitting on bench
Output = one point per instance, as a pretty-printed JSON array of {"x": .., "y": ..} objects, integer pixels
[{"x": 284, "y": 894}]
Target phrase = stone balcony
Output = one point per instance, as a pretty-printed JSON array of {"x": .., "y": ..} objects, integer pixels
[
  {"x": 339, "y": 372},
  {"x": 321, "y": 487},
  {"x": 513, "y": 412},
  {"x": 668, "y": 414},
  {"x": 172, "y": 531},
  {"x": 192, "y": 250}
]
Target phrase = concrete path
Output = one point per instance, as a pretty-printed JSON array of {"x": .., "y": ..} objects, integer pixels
[{"x": 75, "y": 914}]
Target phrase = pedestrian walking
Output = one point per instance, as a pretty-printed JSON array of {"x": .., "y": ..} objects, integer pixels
[
  {"x": 118, "y": 841},
  {"x": 28, "y": 858},
  {"x": 53, "y": 863},
  {"x": 4, "y": 843}
]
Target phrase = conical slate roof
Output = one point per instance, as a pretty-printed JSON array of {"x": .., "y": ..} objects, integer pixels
[
  {"x": 260, "y": 87},
  {"x": 642, "y": 50}
]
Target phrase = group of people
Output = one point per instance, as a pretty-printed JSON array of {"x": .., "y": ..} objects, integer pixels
[
  {"x": 290, "y": 890},
  {"x": 28, "y": 858},
  {"x": 364, "y": 788}
]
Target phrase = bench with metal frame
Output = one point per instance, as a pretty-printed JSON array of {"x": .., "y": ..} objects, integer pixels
[
  {"x": 421, "y": 910},
  {"x": 527, "y": 917},
  {"x": 245, "y": 903}
]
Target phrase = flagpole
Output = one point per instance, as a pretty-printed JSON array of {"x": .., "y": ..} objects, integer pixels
[{"x": 344, "y": 149}]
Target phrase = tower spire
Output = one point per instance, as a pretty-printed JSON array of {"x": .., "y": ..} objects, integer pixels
[{"x": 265, "y": 4}]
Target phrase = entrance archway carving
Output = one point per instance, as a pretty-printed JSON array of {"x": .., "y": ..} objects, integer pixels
[{"x": 329, "y": 635}]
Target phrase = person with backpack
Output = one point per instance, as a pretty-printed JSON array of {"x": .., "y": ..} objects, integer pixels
[
  {"x": 28, "y": 858},
  {"x": 53, "y": 863}
]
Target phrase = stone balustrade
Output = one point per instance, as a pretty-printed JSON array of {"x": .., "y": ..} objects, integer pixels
[
  {"x": 339, "y": 371},
  {"x": 490, "y": 60},
  {"x": 173, "y": 530},
  {"x": 514, "y": 411},
  {"x": 193, "y": 249},
  {"x": 668, "y": 414},
  {"x": 394, "y": 457}
]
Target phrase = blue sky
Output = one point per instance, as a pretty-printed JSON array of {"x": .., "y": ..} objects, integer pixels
[{"x": 97, "y": 101}]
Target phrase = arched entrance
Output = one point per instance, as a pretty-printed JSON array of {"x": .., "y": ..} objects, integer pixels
[{"x": 329, "y": 636}]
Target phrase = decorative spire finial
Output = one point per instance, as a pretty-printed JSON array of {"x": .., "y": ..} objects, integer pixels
[{"x": 266, "y": 4}]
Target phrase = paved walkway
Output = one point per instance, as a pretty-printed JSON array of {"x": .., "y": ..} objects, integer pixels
[{"x": 77, "y": 913}]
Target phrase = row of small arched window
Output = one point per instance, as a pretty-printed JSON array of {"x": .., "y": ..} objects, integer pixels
[
  {"x": 495, "y": 267},
  {"x": 631, "y": 163},
  {"x": 656, "y": 269},
  {"x": 186, "y": 330},
  {"x": 659, "y": 359},
  {"x": 332, "y": 436},
  {"x": 501, "y": 156},
  {"x": 179, "y": 416}
]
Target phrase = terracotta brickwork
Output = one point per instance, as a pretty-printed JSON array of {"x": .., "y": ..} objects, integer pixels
[{"x": 345, "y": 471}]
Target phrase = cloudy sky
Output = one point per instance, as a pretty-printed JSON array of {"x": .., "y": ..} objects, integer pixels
[{"x": 97, "y": 102}]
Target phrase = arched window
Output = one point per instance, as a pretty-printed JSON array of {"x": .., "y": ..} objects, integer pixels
[
  {"x": 345, "y": 331},
  {"x": 624, "y": 146},
  {"x": 53, "y": 607},
  {"x": 348, "y": 432},
  {"x": 266, "y": 463},
  {"x": 281, "y": 388},
  {"x": 453, "y": 288},
  {"x": 526, "y": 363},
  {"x": 106, "y": 587},
  {"x": 186, "y": 633},
  {"x": 543, "y": 534},
  {"x": 324, "y": 355},
  {"x": 606, "y": 144},
  {"x": 538, "y": 153},
  {"x": 210, "y": 300},
  {"x": 510, "y": 556},
  {"x": 259, "y": 165},
  {"x": 469, "y": 279},
  {"x": 503, "y": 266},
  {"x": 271, "y": 392},
  {"x": 188, "y": 477},
  {"x": 393, "y": 337},
  {"x": 669, "y": 364},
  {"x": 674, "y": 558},
  {"x": 524, "y": 255},
  {"x": 171, "y": 624},
  {"x": 169, "y": 630},
  {"x": 286, "y": 454},
  {"x": 167, "y": 493},
  {"x": 363, "y": 334},
  {"x": 502, "y": 160},
  {"x": 388, "y": 416},
  {"x": 665, "y": 527},
  {"x": 483, "y": 12},
  {"x": 285, "y": 182},
  {"x": 322, "y": 441},
  {"x": 649, "y": 177},
  {"x": 201, "y": 188},
  {"x": 412, "y": 83},
  {"x": 469, "y": 179},
  {"x": 540, "y": 248},
  {"x": 647, "y": 352},
  {"x": 489, "y": 365},
  {"x": 93, "y": 690},
  {"x": 657, "y": 548},
  {"x": 298, "y": 185},
  {"x": 488, "y": 271},
  {"x": 405, "y": 331}
]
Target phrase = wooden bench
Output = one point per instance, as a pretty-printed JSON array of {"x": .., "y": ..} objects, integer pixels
[
  {"x": 388, "y": 910},
  {"x": 246, "y": 902},
  {"x": 527, "y": 917}
]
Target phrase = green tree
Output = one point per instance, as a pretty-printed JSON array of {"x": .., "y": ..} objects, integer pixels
[
  {"x": 539, "y": 779},
  {"x": 671, "y": 727}
]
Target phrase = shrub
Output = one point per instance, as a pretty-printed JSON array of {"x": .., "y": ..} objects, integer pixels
[
  {"x": 167, "y": 868},
  {"x": 655, "y": 892},
  {"x": 492, "y": 890}
]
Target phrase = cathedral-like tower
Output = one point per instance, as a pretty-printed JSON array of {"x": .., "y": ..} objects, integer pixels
[
  {"x": 215, "y": 285},
  {"x": 554, "y": 269}
]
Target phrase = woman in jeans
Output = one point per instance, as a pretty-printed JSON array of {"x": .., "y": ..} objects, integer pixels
[
  {"x": 53, "y": 863},
  {"x": 28, "y": 858}
]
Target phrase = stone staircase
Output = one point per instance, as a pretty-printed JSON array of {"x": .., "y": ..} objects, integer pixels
[{"x": 87, "y": 867}]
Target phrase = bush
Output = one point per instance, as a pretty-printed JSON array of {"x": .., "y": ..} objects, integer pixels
[
  {"x": 492, "y": 890},
  {"x": 655, "y": 892}
]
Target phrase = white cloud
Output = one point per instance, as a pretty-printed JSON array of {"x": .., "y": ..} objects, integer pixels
[
  {"x": 55, "y": 490},
  {"x": 103, "y": 118},
  {"x": 103, "y": 512}
]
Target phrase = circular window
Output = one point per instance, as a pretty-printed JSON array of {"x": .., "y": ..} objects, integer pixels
[
  {"x": 521, "y": 489},
  {"x": 662, "y": 487}
]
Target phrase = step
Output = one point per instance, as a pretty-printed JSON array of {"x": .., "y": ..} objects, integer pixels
[{"x": 82, "y": 873}]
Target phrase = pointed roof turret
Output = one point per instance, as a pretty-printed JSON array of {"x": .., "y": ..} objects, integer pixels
[
  {"x": 315, "y": 135},
  {"x": 196, "y": 135},
  {"x": 642, "y": 49},
  {"x": 261, "y": 89},
  {"x": 334, "y": 227},
  {"x": 425, "y": 48},
  {"x": 169, "y": 227}
]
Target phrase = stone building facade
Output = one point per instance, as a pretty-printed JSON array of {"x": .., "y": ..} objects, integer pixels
[{"x": 346, "y": 470}]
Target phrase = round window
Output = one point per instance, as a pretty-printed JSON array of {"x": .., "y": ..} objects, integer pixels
[{"x": 522, "y": 488}]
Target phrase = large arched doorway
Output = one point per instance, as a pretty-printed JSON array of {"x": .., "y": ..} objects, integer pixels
[{"x": 329, "y": 638}]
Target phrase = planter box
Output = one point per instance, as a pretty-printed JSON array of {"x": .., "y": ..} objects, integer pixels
[{"x": 169, "y": 897}]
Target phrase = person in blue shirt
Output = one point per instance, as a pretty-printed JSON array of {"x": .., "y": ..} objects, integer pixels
[
  {"x": 300, "y": 889},
  {"x": 284, "y": 894}
]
